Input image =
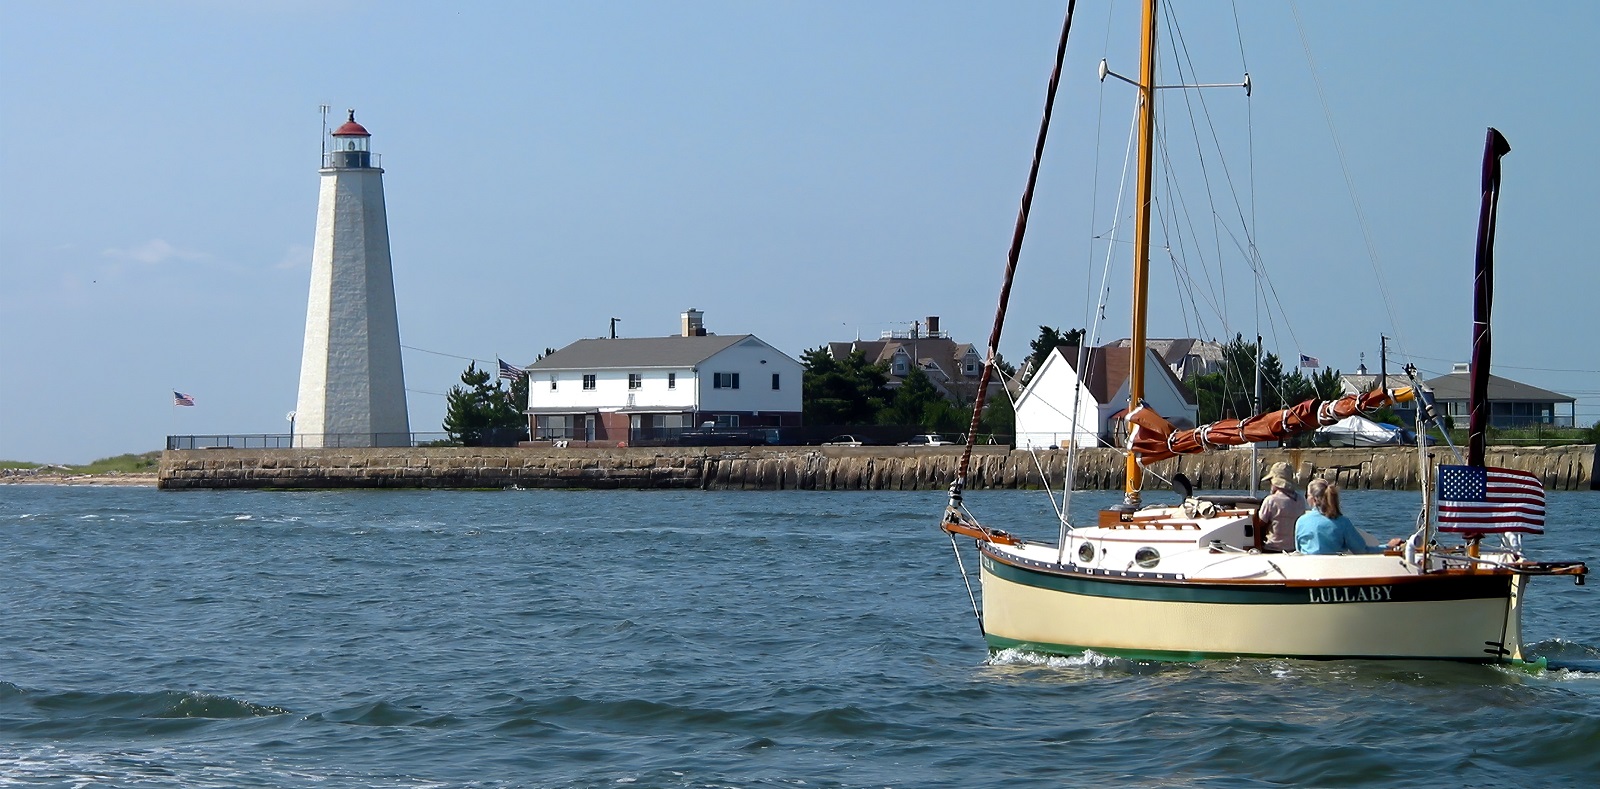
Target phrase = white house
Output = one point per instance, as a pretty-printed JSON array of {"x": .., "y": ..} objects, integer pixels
[
  {"x": 616, "y": 390},
  {"x": 1045, "y": 409}
]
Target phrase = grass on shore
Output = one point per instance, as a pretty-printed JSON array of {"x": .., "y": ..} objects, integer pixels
[{"x": 120, "y": 464}]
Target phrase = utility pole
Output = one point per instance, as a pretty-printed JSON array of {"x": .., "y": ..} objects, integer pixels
[{"x": 1383, "y": 362}]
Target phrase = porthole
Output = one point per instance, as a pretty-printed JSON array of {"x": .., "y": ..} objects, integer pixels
[
  {"x": 1147, "y": 557},
  {"x": 1086, "y": 553}
]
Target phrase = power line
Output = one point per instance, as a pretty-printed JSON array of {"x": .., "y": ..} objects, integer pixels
[
  {"x": 441, "y": 353},
  {"x": 1509, "y": 366}
]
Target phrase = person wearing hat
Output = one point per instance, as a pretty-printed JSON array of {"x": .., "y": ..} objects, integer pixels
[{"x": 1280, "y": 509}]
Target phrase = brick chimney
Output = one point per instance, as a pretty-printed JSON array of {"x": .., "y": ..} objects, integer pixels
[{"x": 692, "y": 324}]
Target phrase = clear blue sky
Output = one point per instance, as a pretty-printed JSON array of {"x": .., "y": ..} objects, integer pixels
[{"x": 805, "y": 172}]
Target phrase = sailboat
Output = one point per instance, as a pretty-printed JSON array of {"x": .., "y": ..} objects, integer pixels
[{"x": 1191, "y": 580}]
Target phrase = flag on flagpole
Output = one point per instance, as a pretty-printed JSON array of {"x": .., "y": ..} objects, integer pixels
[
  {"x": 509, "y": 372},
  {"x": 1485, "y": 499},
  {"x": 1310, "y": 361},
  {"x": 179, "y": 398}
]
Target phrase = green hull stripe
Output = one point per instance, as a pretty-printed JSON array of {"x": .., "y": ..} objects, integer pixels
[
  {"x": 1164, "y": 656},
  {"x": 1427, "y": 589}
]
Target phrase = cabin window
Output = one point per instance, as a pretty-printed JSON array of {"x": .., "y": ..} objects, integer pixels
[
  {"x": 1147, "y": 557},
  {"x": 588, "y": 382},
  {"x": 1086, "y": 553}
]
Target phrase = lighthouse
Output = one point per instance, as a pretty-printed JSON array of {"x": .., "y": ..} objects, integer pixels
[{"x": 352, "y": 389}]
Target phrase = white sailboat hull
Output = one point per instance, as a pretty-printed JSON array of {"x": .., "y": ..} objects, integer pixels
[{"x": 1455, "y": 615}]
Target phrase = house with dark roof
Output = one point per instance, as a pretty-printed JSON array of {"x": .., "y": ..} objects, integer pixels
[
  {"x": 952, "y": 367},
  {"x": 613, "y": 390},
  {"x": 1511, "y": 403},
  {"x": 1061, "y": 404},
  {"x": 1186, "y": 357}
]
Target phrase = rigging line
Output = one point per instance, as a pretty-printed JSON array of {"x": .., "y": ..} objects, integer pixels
[
  {"x": 1355, "y": 200},
  {"x": 426, "y": 392},
  {"x": 1180, "y": 55},
  {"x": 1249, "y": 250},
  {"x": 1092, "y": 326},
  {"x": 1015, "y": 251}
]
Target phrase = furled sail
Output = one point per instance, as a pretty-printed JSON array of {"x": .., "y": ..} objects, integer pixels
[{"x": 1153, "y": 438}]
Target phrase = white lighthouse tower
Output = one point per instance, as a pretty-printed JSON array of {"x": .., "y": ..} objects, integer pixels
[{"x": 352, "y": 389}]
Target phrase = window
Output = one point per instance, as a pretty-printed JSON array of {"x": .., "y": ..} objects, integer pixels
[
  {"x": 552, "y": 383},
  {"x": 635, "y": 380},
  {"x": 725, "y": 381},
  {"x": 775, "y": 381},
  {"x": 672, "y": 380},
  {"x": 728, "y": 420},
  {"x": 588, "y": 382}
]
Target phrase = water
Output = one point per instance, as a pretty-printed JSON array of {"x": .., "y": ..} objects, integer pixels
[{"x": 681, "y": 639}]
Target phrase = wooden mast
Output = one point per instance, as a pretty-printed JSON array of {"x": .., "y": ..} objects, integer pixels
[{"x": 1141, "y": 238}]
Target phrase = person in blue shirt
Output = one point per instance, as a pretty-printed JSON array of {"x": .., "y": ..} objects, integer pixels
[{"x": 1325, "y": 530}]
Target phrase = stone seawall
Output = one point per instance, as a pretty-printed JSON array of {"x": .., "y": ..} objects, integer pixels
[{"x": 802, "y": 468}]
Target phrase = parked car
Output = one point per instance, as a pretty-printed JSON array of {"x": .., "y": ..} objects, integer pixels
[
  {"x": 844, "y": 441},
  {"x": 928, "y": 440}
]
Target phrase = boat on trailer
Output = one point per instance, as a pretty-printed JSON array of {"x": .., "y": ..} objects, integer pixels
[{"x": 1193, "y": 580}]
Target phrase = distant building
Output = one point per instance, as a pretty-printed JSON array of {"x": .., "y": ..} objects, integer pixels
[
  {"x": 1046, "y": 416},
  {"x": 352, "y": 388},
  {"x": 952, "y": 367},
  {"x": 1511, "y": 404},
  {"x": 653, "y": 388},
  {"x": 1186, "y": 357}
]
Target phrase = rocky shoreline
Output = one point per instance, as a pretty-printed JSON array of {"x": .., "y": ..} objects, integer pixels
[{"x": 111, "y": 479}]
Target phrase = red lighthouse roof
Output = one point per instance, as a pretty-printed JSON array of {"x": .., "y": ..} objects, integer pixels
[{"x": 351, "y": 128}]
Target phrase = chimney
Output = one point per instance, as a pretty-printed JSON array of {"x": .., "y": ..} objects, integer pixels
[
  {"x": 692, "y": 325},
  {"x": 933, "y": 326}
]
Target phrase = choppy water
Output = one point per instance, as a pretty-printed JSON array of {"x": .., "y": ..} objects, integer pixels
[{"x": 680, "y": 639}]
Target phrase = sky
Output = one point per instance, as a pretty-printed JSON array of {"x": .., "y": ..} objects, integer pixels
[{"x": 805, "y": 172}]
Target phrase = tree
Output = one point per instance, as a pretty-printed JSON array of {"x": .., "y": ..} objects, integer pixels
[
  {"x": 999, "y": 416},
  {"x": 918, "y": 402},
  {"x": 1048, "y": 340},
  {"x": 480, "y": 408},
  {"x": 847, "y": 391}
]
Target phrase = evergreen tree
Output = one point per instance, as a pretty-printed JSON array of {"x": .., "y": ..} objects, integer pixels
[
  {"x": 1048, "y": 340},
  {"x": 480, "y": 406},
  {"x": 918, "y": 402},
  {"x": 842, "y": 392},
  {"x": 1297, "y": 388},
  {"x": 999, "y": 418}
]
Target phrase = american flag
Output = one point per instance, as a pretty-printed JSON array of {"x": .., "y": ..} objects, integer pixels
[
  {"x": 1484, "y": 499},
  {"x": 1310, "y": 361},
  {"x": 509, "y": 372},
  {"x": 179, "y": 398}
]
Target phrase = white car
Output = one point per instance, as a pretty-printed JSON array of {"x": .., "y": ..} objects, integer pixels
[
  {"x": 928, "y": 440},
  {"x": 843, "y": 441}
]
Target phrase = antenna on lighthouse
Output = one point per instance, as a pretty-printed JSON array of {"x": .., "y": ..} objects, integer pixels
[{"x": 325, "y": 109}]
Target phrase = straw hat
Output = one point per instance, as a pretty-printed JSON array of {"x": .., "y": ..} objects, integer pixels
[{"x": 1280, "y": 475}]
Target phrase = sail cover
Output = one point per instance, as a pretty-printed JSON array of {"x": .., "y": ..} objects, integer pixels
[{"x": 1152, "y": 437}]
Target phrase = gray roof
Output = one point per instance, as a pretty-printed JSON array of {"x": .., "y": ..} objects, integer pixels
[
  {"x": 638, "y": 352},
  {"x": 1456, "y": 386}
]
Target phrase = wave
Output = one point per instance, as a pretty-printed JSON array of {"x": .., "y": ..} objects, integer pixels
[{"x": 125, "y": 704}]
